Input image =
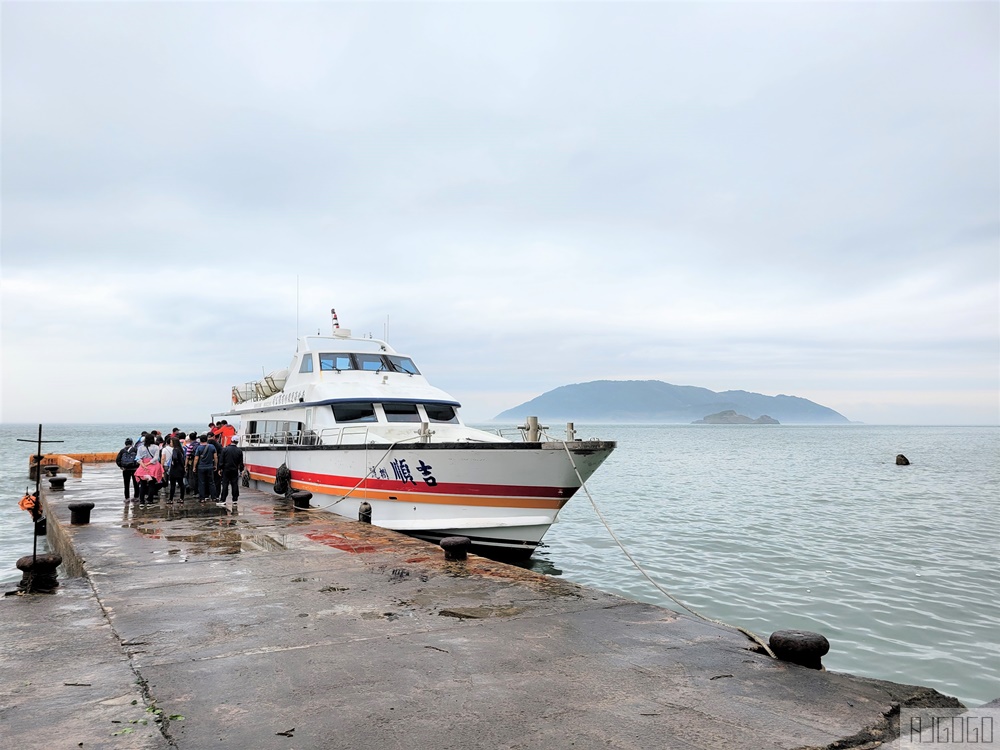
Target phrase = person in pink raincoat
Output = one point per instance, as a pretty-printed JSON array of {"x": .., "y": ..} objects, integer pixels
[{"x": 150, "y": 471}]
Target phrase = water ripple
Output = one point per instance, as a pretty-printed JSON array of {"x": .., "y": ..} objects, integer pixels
[{"x": 813, "y": 528}]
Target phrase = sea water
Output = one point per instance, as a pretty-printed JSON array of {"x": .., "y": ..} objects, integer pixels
[{"x": 767, "y": 527}]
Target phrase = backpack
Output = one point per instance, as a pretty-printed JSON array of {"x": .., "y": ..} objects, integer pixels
[{"x": 126, "y": 459}]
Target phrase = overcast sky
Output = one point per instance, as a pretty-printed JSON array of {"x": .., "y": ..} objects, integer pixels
[{"x": 780, "y": 198}]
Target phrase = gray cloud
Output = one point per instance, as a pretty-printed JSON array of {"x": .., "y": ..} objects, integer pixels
[{"x": 796, "y": 197}]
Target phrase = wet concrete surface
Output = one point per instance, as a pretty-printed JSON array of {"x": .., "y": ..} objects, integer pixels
[{"x": 266, "y": 627}]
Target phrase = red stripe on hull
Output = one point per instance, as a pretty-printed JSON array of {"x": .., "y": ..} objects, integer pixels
[{"x": 443, "y": 488}]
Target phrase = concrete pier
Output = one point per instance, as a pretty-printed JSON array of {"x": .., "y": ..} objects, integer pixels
[{"x": 265, "y": 627}]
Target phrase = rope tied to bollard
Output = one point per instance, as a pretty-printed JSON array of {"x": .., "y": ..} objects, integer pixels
[
  {"x": 747, "y": 632},
  {"x": 368, "y": 473}
]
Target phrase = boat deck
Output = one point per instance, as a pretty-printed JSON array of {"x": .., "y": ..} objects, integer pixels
[{"x": 197, "y": 626}]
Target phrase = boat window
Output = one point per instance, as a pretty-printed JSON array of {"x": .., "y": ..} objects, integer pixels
[
  {"x": 307, "y": 363},
  {"x": 334, "y": 361},
  {"x": 403, "y": 364},
  {"x": 441, "y": 413},
  {"x": 372, "y": 362},
  {"x": 346, "y": 413},
  {"x": 401, "y": 412}
]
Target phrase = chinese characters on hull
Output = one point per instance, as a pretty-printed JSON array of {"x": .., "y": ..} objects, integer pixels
[{"x": 401, "y": 472}]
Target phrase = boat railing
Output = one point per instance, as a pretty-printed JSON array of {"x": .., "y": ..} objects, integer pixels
[
  {"x": 532, "y": 431},
  {"x": 291, "y": 437},
  {"x": 515, "y": 434},
  {"x": 327, "y": 436},
  {"x": 337, "y": 435}
]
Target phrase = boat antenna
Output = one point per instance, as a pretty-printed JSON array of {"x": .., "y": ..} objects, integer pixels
[
  {"x": 336, "y": 323},
  {"x": 385, "y": 329},
  {"x": 296, "y": 307}
]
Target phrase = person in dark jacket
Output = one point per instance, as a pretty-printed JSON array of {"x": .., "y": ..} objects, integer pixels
[
  {"x": 231, "y": 467},
  {"x": 175, "y": 474},
  {"x": 128, "y": 464}
]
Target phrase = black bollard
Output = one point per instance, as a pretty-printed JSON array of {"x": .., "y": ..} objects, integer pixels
[
  {"x": 51, "y": 470},
  {"x": 300, "y": 499},
  {"x": 38, "y": 573},
  {"x": 902, "y": 460},
  {"x": 455, "y": 547},
  {"x": 365, "y": 512},
  {"x": 80, "y": 513},
  {"x": 799, "y": 647},
  {"x": 57, "y": 483}
]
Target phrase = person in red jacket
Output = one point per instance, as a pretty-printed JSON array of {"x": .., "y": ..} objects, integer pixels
[{"x": 225, "y": 433}]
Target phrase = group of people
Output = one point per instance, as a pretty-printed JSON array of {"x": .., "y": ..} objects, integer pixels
[{"x": 209, "y": 464}]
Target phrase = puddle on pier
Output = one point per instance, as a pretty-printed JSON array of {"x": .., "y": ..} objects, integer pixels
[{"x": 211, "y": 529}]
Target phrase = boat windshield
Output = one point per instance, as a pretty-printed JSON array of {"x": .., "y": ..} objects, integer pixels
[
  {"x": 329, "y": 361},
  {"x": 403, "y": 364},
  {"x": 370, "y": 362}
]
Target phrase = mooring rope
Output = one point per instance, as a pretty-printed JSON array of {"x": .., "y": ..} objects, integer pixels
[
  {"x": 749, "y": 633},
  {"x": 362, "y": 480}
]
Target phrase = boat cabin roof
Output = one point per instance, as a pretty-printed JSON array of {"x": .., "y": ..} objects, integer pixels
[{"x": 344, "y": 343}]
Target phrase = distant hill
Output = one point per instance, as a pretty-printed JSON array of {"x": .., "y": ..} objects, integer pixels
[{"x": 659, "y": 402}]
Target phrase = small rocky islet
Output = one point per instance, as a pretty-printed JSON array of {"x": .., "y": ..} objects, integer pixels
[{"x": 729, "y": 416}]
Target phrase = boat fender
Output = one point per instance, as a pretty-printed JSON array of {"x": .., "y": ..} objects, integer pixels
[
  {"x": 365, "y": 512},
  {"x": 282, "y": 480}
]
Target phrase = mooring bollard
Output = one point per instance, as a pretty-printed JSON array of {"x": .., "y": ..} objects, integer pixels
[
  {"x": 300, "y": 499},
  {"x": 80, "y": 513},
  {"x": 365, "y": 512},
  {"x": 50, "y": 470},
  {"x": 38, "y": 573},
  {"x": 58, "y": 483},
  {"x": 455, "y": 547},
  {"x": 799, "y": 647}
]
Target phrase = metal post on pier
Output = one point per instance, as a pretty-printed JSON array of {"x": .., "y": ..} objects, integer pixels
[{"x": 36, "y": 512}]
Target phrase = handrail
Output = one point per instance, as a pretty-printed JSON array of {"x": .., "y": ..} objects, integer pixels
[{"x": 326, "y": 436}]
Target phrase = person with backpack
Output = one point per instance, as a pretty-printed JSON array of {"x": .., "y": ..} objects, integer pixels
[
  {"x": 128, "y": 463},
  {"x": 206, "y": 463}
]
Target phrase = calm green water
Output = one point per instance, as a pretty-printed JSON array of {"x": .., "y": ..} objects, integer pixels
[{"x": 766, "y": 527}]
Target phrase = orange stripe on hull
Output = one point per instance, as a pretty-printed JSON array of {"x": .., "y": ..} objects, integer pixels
[{"x": 424, "y": 498}]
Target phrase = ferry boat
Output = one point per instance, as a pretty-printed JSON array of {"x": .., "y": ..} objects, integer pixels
[{"x": 353, "y": 421}]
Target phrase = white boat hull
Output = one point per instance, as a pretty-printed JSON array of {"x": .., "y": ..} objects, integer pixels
[{"x": 503, "y": 496}]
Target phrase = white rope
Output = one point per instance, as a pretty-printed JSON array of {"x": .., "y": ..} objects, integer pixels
[
  {"x": 749, "y": 633},
  {"x": 362, "y": 480}
]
